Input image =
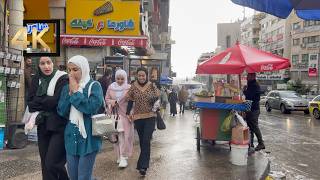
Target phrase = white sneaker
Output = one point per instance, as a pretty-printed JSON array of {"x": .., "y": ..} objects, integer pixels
[{"x": 123, "y": 163}]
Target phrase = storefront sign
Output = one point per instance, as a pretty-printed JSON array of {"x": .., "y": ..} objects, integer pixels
[
  {"x": 313, "y": 65},
  {"x": 103, "y": 18},
  {"x": 69, "y": 40},
  {"x": 121, "y": 25},
  {"x": 270, "y": 77},
  {"x": 82, "y": 23}
]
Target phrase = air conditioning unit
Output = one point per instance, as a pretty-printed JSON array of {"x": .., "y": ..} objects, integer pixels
[{"x": 303, "y": 45}]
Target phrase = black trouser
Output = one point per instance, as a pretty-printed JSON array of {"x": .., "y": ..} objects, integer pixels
[
  {"x": 145, "y": 128},
  {"x": 52, "y": 154},
  {"x": 252, "y": 119},
  {"x": 173, "y": 108},
  {"x": 182, "y": 106}
]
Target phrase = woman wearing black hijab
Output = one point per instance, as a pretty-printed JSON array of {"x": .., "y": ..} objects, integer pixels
[
  {"x": 144, "y": 94},
  {"x": 43, "y": 97}
]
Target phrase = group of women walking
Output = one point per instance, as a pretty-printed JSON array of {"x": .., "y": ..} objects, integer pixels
[{"x": 65, "y": 106}]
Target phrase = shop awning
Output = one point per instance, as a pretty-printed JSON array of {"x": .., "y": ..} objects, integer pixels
[
  {"x": 305, "y": 9},
  {"x": 98, "y": 41},
  {"x": 166, "y": 80}
]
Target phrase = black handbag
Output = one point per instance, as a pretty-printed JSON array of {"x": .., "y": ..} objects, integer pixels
[{"x": 160, "y": 123}]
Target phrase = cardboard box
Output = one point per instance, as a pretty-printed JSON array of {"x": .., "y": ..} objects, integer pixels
[{"x": 240, "y": 135}]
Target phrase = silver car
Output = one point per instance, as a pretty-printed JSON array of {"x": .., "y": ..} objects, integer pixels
[{"x": 286, "y": 101}]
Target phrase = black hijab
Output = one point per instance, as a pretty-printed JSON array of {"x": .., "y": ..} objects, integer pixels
[{"x": 45, "y": 80}]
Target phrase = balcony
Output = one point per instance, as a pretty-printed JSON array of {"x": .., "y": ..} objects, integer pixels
[
  {"x": 313, "y": 45},
  {"x": 306, "y": 30}
]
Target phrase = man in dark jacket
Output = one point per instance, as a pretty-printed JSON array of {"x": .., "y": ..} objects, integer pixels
[
  {"x": 105, "y": 81},
  {"x": 252, "y": 93}
]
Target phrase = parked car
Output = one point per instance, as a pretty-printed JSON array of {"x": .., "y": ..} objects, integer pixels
[
  {"x": 286, "y": 101},
  {"x": 314, "y": 107},
  {"x": 263, "y": 100}
]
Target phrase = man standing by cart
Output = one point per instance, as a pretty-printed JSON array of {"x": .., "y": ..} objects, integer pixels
[{"x": 252, "y": 93}]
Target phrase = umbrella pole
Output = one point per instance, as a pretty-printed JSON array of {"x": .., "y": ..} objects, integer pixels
[{"x": 240, "y": 94}]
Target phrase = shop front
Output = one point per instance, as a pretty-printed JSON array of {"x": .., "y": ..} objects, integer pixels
[{"x": 101, "y": 26}]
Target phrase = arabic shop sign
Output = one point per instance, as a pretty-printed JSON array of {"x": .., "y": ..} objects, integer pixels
[
  {"x": 114, "y": 25},
  {"x": 103, "y": 17},
  {"x": 38, "y": 26},
  {"x": 83, "y": 24}
]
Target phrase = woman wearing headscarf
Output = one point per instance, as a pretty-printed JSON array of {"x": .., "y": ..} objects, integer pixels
[
  {"x": 116, "y": 100},
  {"x": 78, "y": 105},
  {"x": 144, "y": 94},
  {"x": 173, "y": 99},
  {"x": 43, "y": 97}
]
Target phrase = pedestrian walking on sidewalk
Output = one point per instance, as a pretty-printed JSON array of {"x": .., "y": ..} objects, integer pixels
[
  {"x": 183, "y": 98},
  {"x": 173, "y": 99},
  {"x": 163, "y": 101},
  {"x": 144, "y": 94},
  {"x": 252, "y": 92},
  {"x": 78, "y": 105},
  {"x": 105, "y": 81},
  {"x": 116, "y": 100},
  {"x": 43, "y": 97}
]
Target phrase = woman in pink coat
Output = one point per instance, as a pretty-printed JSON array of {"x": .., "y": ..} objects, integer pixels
[{"x": 116, "y": 99}]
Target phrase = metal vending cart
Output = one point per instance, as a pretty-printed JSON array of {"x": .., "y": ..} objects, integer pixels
[{"x": 233, "y": 61}]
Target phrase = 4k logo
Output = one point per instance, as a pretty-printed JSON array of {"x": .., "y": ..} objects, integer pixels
[{"x": 36, "y": 38}]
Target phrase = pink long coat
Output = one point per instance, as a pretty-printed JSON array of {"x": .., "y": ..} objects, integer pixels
[{"x": 126, "y": 137}]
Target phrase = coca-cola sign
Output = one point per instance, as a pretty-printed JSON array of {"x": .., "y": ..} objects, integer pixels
[
  {"x": 126, "y": 42},
  {"x": 68, "y": 40},
  {"x": 97, "y": 42},
  {"x": 267, "y": 67}
]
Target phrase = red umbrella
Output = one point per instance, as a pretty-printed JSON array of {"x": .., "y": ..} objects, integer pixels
[{"x": 240, "y": 58}]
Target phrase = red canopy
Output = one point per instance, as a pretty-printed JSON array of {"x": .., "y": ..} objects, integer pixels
[{"x": 240, "y": 58}]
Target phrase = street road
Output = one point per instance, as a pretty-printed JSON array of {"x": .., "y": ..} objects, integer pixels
[{"x": 293, "y": 141}]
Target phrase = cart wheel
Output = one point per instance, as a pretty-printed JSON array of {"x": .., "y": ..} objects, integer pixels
[{"x": 198, "y": 139}]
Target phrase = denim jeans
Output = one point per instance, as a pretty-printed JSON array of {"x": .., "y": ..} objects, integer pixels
[{"x": 81, "y": 167}]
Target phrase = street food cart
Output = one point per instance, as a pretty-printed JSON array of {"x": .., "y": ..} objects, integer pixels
[{"x": 214, "y": 108}]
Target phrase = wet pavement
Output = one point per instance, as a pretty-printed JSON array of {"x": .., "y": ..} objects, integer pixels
[
  {"x": 293, "y": 141},
  {"x": 174, "y": 156}
]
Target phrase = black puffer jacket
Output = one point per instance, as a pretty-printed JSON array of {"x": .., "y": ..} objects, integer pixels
[{"x": 253, "y": 93}]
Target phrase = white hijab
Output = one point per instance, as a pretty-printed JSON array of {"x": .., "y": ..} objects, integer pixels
[
  {"x": 116, "y": 87},
  {"x": 76, "y": 117}
]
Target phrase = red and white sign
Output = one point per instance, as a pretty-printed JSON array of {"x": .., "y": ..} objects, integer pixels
[
  {"x": 313, "y": 65},
  {"x": 76, "y": 40}
]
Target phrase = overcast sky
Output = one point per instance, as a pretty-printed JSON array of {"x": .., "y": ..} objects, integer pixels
[{"x": 194, "y": 28}]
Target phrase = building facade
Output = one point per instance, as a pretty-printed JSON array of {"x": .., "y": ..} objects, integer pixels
[
  {"x": 250, "y": 30},
  {"x": 228, "y": 34},
  {"x": 305, "y": 44}
]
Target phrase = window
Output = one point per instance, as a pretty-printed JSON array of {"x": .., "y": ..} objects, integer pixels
[
  {"x": 311, "y": 39},
  {"x": 296, "y": 26},
  {"x": 295, "y": 60},
  {"x": 305, "y": 59},
  {"x": 296, "y": 42},
  {"x": 311, "y": 23},
  {"x": 316, "y": 98},
  {"x": 228, "y": 41}
]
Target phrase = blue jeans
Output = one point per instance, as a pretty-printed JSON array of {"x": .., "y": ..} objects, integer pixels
[{"x": 81, "y": 167}]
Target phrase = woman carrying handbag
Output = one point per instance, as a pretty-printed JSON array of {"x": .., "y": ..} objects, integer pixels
[
  {"x": 117, "y": 101},
  {"x": 79, "y": 105}
]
